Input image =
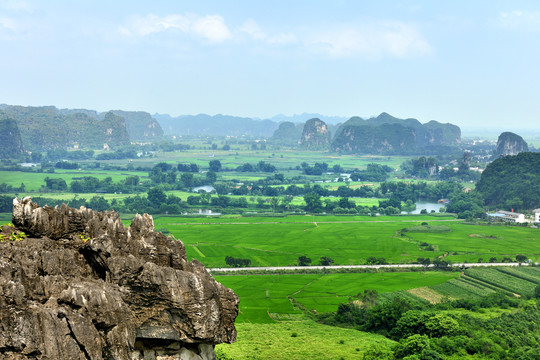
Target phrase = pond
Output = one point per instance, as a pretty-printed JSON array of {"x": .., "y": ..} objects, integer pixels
[
  {"x": 425, "y": 205},
  {"x": 207, "y": 188}
]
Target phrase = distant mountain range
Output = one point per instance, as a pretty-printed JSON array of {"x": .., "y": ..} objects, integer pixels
[
  {"x": 217, "y": 125},
  {"x": 228, "y": 125},
  {"x": 47, "y": 127},
  {"x": 302, "y": 118},
  {"x": 383, "y": 134},
  {"x": 390, "y": 135}
]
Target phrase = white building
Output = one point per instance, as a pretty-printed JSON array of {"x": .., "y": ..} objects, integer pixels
[
  {"x": 536, "y": 213},
  {"x": 509, "y": 216}
]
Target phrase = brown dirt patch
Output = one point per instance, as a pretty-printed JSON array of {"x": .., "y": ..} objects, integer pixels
[{"x": 427, "y": 294}]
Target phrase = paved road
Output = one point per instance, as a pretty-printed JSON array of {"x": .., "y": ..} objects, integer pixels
[
  {"x": 278, "y": 268},
  {"x": 307, "y": 222}
]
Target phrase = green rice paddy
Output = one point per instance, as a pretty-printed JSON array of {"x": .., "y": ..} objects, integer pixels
[
  {"x": 279, "y": 241},
  {"x": 267, "y": 298}
]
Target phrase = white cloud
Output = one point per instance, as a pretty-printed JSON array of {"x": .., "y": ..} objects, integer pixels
[
  {"x": 15, "y": 5},
  {"x": 251, "y": 28},
  {"x": 8, "y": 24},
  {"x": 376, "y": 40},
  {"x": 209, "y": 27},
  {"x": 522, "y": 20}
]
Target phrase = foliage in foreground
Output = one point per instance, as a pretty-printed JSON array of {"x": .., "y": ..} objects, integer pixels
[{"x": 446, "y": 330}]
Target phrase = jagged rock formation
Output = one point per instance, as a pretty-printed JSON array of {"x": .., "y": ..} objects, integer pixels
[
  {"x": 10, "y": 139},
  {"x": 83, "y": 286},
  {"x": 141, "y": 126},
  {"x": 315, "y": 135},
  {"x": 287, "y": 134},
  {"x": 386, "y": 134},
  {"x": 509, "y": 143}
]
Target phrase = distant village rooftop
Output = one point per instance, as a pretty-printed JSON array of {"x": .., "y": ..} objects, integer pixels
[{"x": 509, "y": 216}]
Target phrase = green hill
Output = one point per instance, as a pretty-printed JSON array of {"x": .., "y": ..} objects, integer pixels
[
  {"x": 45, "y": 127},
  {"x": 512, "y": 182},
  {"x": 141, "y": 126},
  {"x": 386, "y": 134},
  {"x": 10, "y": 139},
  {"x": 287, "y": 134}
]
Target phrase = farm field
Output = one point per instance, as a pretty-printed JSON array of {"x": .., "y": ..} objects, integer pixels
[
  {"x": 347, "y": 240},
  {"x": 304, "y": 339},
  {"x": 267, "y": 298},
  {"x": 34, "y": 180},
  {"x": 478, "y": 282},
  {"x": 266, "y": 324},
  {"x": 283, "y": 159}
]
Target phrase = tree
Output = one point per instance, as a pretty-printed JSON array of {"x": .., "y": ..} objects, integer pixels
[
  {"x": 441, "y": 325},
  {"x": 441, "y": 264},
  {"x": 521, "y": 258},
  {"x": 55, "y": 184},
  {"x": 187, "y": 179},
  {"x": 237, "y": 262},
  {"x": 372, "y": 260},
  {"x": 274, "y": 201},
  {"x": 537, "y": 292},
  {"x": 368, "y": 298},
  {"x": 131, "y": 180},
  {"x": 304, "y": 260},
  {"x": 326, "y": 261},
  {"x": 465, "y": 163},
  {"x": 313, "y": 202},
  {"x": 424, "y": 261},
  {"x": 337, "y": 169},
  {"x": 211, "y": 177},
  {"x": 378, "y": 351},
  {"x": 156, "y": 197},
  {"x": 215, "y": 165},
  {"x": 98, "y": 203}
]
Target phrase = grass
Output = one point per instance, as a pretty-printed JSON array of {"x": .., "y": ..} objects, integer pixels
[
  {"x": 468, "y": 243},
  {"x": 349, "y": 240},
  {"x": 505, "y": 281},
  {"x": 478, "y": 282},
  {"x": 300, "y": 338},
  {"x": 33, "y": 180},
  {"x": 5, "y": 218},
  {"x": 312, "y": 341},
  {"x": 264, "y": 298}
]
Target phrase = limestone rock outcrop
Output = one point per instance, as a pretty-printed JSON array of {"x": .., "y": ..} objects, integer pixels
[
  {"x": 10, "y": 139},
  {"x": 315, "y": 135},
  {"x": 509, "y": 143},
  {"x": 386, "y": 134},
  {"x": 78, "y": 284}
]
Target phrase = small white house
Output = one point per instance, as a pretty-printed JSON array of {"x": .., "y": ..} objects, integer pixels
[
  {"x": 536, "y": 213},
  {"x": 510, "y": 216}
]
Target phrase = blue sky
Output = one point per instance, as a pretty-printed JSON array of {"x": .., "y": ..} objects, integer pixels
[{"x": 471, "y": 63}]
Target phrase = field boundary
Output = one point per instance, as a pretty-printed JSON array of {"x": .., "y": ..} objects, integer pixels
[{"x": 267, "y": 269}]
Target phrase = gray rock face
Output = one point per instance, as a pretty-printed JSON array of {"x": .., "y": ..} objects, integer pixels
[
  {"x": 80, "y": 285},
  {"x": 140, "y": 125},
  {"x": 10, "y": 139},
  {"x": 315, "y": 135},
  {"x": 509, "y": 143}
]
